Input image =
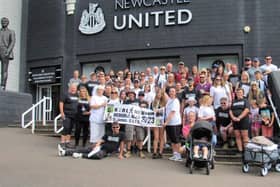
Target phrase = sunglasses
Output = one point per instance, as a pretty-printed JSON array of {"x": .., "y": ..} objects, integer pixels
[{"x": 114, "y": 92}]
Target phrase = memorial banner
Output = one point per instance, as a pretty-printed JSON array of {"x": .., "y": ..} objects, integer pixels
[{"x": 133, "y": 115}]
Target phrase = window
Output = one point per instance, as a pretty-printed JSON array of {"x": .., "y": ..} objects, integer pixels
[
  {"x": 91, "y": 67},
  {"x": 206, "y": 61}
]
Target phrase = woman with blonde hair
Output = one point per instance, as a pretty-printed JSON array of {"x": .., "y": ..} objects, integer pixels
[
  {"x": 206, "y": 113},
  {"x": 255, "y": 93},
  {"x": 244, "y": 83},
  {"x": 218, "y": 91},
  {"x": 83, "y": 113},
  {"x": 158, "y": 105}
]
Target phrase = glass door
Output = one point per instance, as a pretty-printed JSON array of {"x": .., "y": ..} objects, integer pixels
[{"x": 43, "y": 91}]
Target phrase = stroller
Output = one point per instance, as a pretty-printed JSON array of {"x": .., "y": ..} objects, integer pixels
[
  {"x": 264, "y": 156},
  {"x": 201, "y": 129}
]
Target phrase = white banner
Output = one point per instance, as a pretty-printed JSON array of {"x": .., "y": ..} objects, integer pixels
[{"x": 133, "y": 115}]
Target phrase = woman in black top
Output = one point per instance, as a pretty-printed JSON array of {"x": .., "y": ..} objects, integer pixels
[
  {"x": 239, "y": 114},
  {"x": 82, "y": 116}
]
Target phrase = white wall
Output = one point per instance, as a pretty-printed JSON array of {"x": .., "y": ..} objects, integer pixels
[{"x": 12, "y": 10}]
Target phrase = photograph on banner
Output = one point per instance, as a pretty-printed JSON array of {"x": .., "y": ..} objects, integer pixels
[{"x": 130, "y": 114}]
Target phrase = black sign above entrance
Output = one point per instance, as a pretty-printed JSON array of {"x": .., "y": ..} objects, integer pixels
[{"x": 43, "y": 75}]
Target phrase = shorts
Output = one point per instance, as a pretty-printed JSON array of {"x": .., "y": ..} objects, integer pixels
[
  {"x": 174, "y": 133},
  {"x": 242, "y": 125},
  {"x": 139, "y": 132},
  {"x": 68, "y": 124}
]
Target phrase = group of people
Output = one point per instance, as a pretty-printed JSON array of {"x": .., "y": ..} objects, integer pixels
[{"x": 233, "y": 101}]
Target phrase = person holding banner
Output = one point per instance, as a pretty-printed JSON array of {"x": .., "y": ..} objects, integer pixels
[
  {"x": 158, "y": 106},
  {"x": 129, "y": 129},
  {"x": 98, "y": 103},
  {"x": 173, "y": 123}
]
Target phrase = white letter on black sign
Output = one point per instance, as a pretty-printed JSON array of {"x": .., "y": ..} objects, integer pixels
[
  {"x": 156, "y": 14},
  {"x": 169, "y": 17},
  {"x": 188, "y": 14},
  {"x": 116, "y": 23}
]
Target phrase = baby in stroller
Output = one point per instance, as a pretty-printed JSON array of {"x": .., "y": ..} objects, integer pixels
[
  {"x": 201, "y": 148},
  {"x": 201, "y": 144}
]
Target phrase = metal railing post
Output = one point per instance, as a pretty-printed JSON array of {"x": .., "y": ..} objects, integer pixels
[
  {"x": 33, "y": 120},
  {"x": 44, "y": 111}
]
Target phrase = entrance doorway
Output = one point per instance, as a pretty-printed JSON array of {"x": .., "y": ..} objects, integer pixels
[{"x": 52, "y": 91}]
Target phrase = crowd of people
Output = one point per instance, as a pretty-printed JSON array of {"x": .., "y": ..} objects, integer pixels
[{"x": 234, "y": 102}]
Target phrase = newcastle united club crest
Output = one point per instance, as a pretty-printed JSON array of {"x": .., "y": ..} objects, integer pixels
[{"x": 92, "y": 22}]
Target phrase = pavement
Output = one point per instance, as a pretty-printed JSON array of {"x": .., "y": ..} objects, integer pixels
[{"x": 31, "y": 160}]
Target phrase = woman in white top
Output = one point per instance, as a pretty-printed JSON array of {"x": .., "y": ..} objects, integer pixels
[
  {"x": 97, "y": 105},
  {"x": 149, "y": 95},
  {"x": 173, "y": 123},
  {"x": 218, "y": 91},
  {"x": 114, "y": 98}
]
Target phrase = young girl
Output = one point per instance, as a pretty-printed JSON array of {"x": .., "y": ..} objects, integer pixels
[
  {"x": 190, "y": 108},
  {"x": 267, "y": 117},
  {"x": 254, "y": 117},
  {"x": 206, "y": 113}
]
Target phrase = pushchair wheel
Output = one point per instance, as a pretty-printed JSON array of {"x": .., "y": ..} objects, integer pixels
[
  {"x": 264, "y": 172},
  {"x": 245, "y": 168},
  {"x": 191, "y": 167},
  {"x": 269, "y": 166},
  {"x": 277, "y": 167},
  {"x": 208, "y": 168}
]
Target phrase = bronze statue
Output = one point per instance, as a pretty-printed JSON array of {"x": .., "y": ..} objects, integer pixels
[{"x": 7, "y": 43}]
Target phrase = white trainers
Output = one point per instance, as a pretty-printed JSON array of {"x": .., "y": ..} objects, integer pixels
[
  {"x": 77, "y": 155},
  {"x": 61, "y": 151},
  {"x": 173, "y": 158},
  {"x": 178, "y": 158}
]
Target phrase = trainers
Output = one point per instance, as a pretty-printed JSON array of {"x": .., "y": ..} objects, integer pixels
[
  {"x": 61, "y": 151},
  {"x": 127, "y": 154},
  {"x": 178, "y": 159},
  {"x": 77, "y": 155},
  {"x": 154, "y": 156},
  {"x": 159, "y": 156},
  {"x": 173, "y": 158},
  {"x": 195, "y": 156},
  {"x": 141, "y": 154}
]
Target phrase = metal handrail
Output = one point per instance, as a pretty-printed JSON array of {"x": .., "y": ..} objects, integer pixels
[
  {"x": 274, "y": 109},
  {"x": 55, "y": 124},
  {"x": 33, "y": 110}
]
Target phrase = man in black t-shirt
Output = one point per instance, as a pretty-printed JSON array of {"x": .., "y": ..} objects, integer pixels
[
  {"x": 91, "y": 83},
  {"x": 110, "y": 143},
  {"x": 234, "y": 78},
  {"x": 68, "y": 106},
  {"x": 223, "y": 122}
]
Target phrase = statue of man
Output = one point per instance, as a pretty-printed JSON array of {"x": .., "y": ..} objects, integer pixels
[{"x": 7, "y": 43}]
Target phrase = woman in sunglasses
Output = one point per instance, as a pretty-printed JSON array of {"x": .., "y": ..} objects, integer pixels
[{"x": 218, "y": 91}]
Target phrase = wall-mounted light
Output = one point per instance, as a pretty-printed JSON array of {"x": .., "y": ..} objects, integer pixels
[
  {"x": 247, "y": 29},
  {"x": 70, "y": 6}
]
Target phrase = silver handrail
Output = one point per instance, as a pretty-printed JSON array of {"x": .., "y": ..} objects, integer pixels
[
  {"x": 55, "y": 124},
  {"x": 33, "y": 110},
  {"x": 274, "y": 109}
]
